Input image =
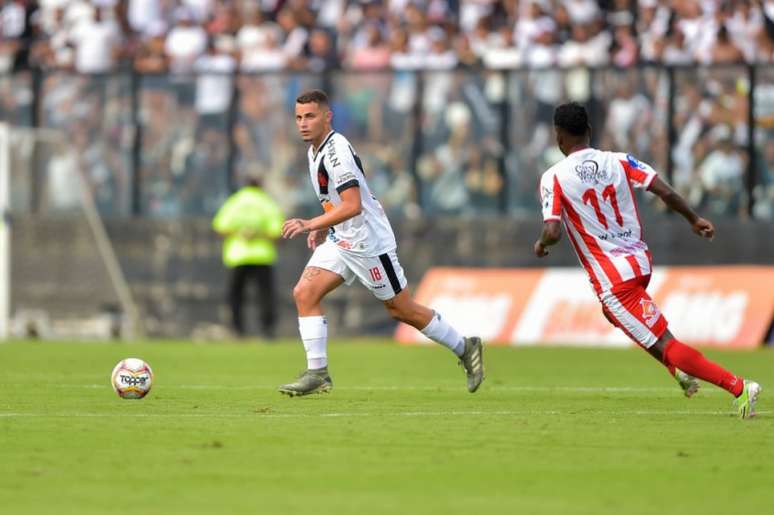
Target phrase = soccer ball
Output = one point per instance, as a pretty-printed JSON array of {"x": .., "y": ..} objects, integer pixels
[{"x": 132, "y": 378}]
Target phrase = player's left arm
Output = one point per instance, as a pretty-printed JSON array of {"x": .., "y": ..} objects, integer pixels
[
  {"x": 675, "y": 201},
  {"x": 350, "y": 207}
]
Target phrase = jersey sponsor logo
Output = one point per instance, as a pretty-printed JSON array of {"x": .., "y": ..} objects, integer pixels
[
  {"x": 634, "y": 163},
  {"x": 613, "y": 235},
  {"x": 332, "y": 158},
  {"x": 650, "y": 312},
  {"x": 346, "y": 176},
  {"x": 627, "y": 250},
  {"x": 588, "y": 172}
]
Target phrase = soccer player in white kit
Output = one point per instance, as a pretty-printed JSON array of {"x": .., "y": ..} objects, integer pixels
[
  {"x": 591, "y": 192},
  {"x": 351, "y": 240}
]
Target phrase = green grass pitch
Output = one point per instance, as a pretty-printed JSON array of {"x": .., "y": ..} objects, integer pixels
[{"x": 551, "y": 431}]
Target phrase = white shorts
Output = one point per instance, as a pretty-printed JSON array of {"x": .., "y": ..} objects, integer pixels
[{"x": 382, "y": 274}]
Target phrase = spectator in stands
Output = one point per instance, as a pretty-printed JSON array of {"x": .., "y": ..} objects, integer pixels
[
  {"x": 442, "y": 171},
  {"x": 96, "y": 44},
  {"x": 214, "y": 85},
  {"x": 321, "y": 54},
  {"x": 151, "y": 57},
  {"x": 373, "y": 55},
  {"x": 722, "y": 173},
  {"x": 261, "y": 49},
  {"x": 186, "y": 41},
  {"x": 16, "y": 34},
  {"x": 724, "y": 51}
]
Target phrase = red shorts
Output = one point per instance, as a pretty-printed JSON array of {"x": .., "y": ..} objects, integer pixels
[{"x": 629, "y": 307}]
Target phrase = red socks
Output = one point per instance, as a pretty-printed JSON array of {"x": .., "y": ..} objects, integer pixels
[{"x": 693, "y": 362}]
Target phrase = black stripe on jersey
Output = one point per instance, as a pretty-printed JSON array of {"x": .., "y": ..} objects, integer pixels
[
  {"x": 358, "y": 162},
  {"x": 347, "y": 185},
  {"x": 325, "y": 141},
  {"x": 322, "y": 178},
  {"x": 387, "y": 265}
]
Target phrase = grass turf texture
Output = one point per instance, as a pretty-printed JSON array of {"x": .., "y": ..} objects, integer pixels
[{"x": 550, "y": 431}]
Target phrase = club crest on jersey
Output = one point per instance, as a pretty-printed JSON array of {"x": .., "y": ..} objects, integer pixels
[
  {"x": 634, "y": 163},
  {"x": 650, "y": 312},
  {"x": 589, "y": 172}
]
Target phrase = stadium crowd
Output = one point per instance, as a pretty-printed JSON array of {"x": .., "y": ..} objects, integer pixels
[
  {"x": 187, "y": 51},
  {"x": 259, "y": 35}
]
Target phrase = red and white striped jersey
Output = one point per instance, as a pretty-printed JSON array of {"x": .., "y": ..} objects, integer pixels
[{"x": 591, "y": 191}]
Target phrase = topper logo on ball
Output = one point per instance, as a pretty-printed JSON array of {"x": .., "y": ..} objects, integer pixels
[{"x": 132, "y": 380}]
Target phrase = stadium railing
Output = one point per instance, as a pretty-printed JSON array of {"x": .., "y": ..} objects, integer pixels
[{"x": 462, "y": 142}]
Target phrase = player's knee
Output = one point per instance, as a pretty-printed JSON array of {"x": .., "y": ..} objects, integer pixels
[
  {"x": 397, "y": 312},
  {"x": 303, "y": 295}
]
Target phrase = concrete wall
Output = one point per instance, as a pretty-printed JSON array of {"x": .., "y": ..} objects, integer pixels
[{"x": 176, "y": 275}]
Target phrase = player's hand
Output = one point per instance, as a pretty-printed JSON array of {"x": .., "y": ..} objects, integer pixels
[
  {"x": 294, "y": 227},
  {"x": 540, "y": 249},
  {"x": 315, "y": 239},
  {"x": 704, "y": 228}
]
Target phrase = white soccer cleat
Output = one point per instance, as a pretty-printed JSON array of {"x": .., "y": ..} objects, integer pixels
[{"x": 745, "y": 403}]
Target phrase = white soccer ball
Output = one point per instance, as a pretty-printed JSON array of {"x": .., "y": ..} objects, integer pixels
[{"x": 132, "y": 378}]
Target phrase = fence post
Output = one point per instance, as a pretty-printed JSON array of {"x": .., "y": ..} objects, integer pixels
[
  {"x": 136, "y": 160},
  {"x": 505, "y": 124},
  {"x": 751, "y": 152},
  {"x": 231, "y": 122},
  {"x": 670, "y": 122},
  {"x": 36, "y": 181},
  {"x": 417, "y": 144}
]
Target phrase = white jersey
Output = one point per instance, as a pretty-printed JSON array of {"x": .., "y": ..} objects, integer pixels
[
  {"x": 591, "y": 192},
  {"x": 334, "y": 168}
]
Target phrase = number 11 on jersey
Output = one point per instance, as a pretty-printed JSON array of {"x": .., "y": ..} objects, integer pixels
[{"x": 608, "y": 194}]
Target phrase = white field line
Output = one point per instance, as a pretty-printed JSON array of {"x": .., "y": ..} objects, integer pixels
[
  {"x": 358, "y": 414},
  {"x": 571, "y": 389}
]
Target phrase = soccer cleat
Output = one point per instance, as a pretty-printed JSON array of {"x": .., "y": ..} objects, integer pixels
[
  {"x": 310, "y": 381},
  {"x": 472, "y": 360},
  {"x": 688, "y": 383},
  {"x": 745, "y": 403}
]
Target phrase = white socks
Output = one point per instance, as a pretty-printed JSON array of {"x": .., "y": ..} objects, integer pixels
[
  {"x": 314, "y": 333},
  {"x": 441, "y": 332}
]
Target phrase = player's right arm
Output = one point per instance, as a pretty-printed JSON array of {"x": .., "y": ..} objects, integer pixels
[
  {"x": 676, "y": 202},
  {"x": 349, "y": 207},
  {"x": 550, "y": 197}
]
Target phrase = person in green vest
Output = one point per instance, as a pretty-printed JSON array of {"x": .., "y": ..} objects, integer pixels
[{"x": 249, "y": 221}]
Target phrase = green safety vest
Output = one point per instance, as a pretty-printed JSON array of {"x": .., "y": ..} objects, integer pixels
[{"x": 249, "y": 209}]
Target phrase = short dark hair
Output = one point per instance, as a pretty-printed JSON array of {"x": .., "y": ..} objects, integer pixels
[
  {"x": 573, "y": 118},
  {"x": 317, "y": 96}
]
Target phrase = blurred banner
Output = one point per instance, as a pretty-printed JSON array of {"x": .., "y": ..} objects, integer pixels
[{"x": 729, "y": 306}]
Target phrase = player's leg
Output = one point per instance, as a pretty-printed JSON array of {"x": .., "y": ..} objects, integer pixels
[
  {"x": 236, "y": 295},
  {"x": 636, "y": 313},
  {"x": 403, "y": 308},
  {"x": 384, "y": 276},
  {"x": 688, "y": 383},
  {"x": 470, "y": 350},
  {"x": 324, "y": 273},
  {"x": 673, "y": 352}
]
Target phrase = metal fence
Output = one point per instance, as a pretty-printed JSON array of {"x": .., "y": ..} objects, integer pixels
[{"x": 462, "y": 143}]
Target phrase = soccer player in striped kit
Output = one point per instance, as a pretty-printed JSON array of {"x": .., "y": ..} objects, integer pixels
[
  {"x": 351, "y": 240},
  {"x": 591, "y": 193}
]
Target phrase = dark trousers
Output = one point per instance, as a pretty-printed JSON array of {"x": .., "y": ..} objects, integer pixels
[{"x": 263, "y": 278}]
